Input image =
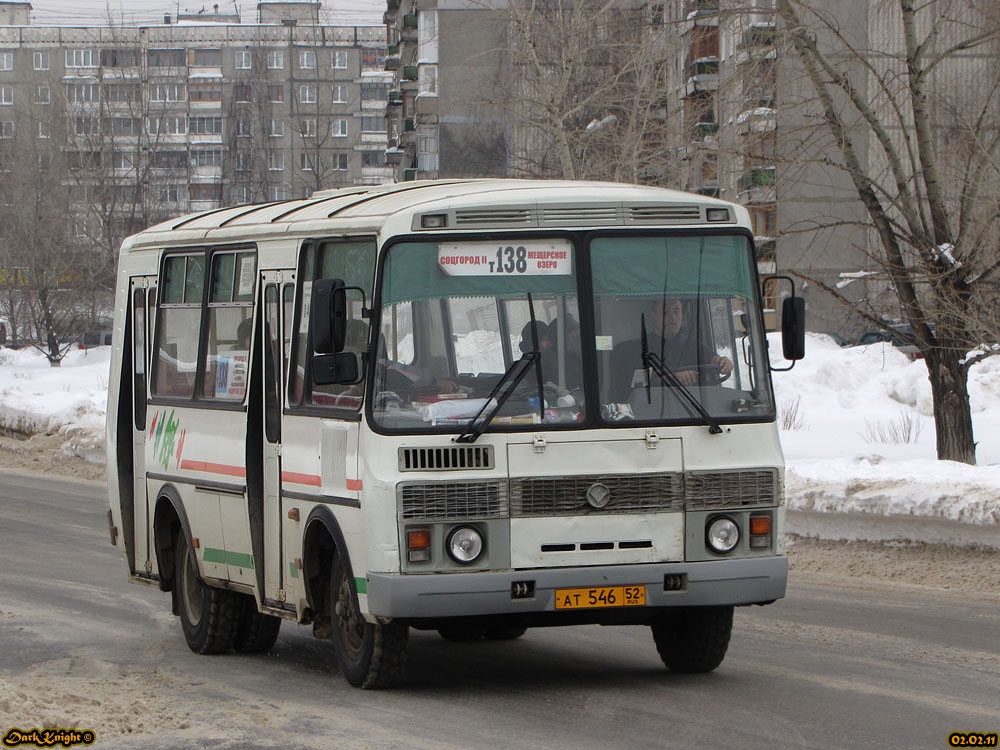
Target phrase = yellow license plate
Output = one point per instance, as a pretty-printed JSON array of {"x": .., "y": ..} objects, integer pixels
[{"x": 601, "y": 596}]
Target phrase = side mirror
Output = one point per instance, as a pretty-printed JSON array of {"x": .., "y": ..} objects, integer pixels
[
  {"x": 793, "y": 328},
  {"x": 328, "y": 313},
  {"x": 341, "y": 368}
]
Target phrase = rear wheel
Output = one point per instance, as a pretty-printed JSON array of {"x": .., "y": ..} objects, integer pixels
[
  {"x": 371, "y": 655},
  {"x": 257, "y": 632},
  {"x": 693, "y": 639},
  {"x": 209, "y": 616}
]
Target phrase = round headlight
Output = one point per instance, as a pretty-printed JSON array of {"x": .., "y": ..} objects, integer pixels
[
  {"x": 723, "y": 535},
  {"x": 465, "y": 544}
]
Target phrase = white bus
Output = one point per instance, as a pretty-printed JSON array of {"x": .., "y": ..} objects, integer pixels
[{"x": 473, "y": 406}]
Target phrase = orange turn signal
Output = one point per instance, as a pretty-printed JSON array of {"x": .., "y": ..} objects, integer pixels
[
  {"x": 419, "y": 539},
  {"x": 760, "y": 525}
]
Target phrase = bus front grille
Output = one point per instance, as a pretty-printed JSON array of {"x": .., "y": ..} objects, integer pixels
[
  {"x": 453, "y": 500},
  {"x": 596, "y": 494},
  {"x": 446, "y": 458},
  {"x": 708, "y": 490}
]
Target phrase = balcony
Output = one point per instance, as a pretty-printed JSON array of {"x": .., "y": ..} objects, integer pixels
[
  {"x": 703, "y": 75},
  {"x": 757, "y": 177},
  {"x": 704, "y": 130},
  {"x": 700, "y": 13},
  {"x": 408, "y": 31},
  {"x": 394, "y": 156},
  {"x": 409, "y": 174},
  {"x": 759, "y": 35},
  {"x": 392, "y": 62},
  {"x": 410, "y": 72},
  {"x": 757, "y": 120}
]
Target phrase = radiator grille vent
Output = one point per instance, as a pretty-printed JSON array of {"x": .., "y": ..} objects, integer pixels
[
  {"x": 586, "y": 215},
  {"x": 567, "y": 496},
  {"x": 448, "y": 458},
  {"x": 453, "y": 500},
  {"x": 490, "y": 217},
  {"x": 663, "y": 214},
  {"x": 731, "y": 489}
]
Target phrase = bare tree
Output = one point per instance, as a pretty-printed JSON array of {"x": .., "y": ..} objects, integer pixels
[{"x": 908, "y": 111}]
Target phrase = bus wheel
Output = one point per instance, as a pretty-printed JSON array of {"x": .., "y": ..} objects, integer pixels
[
  {"x": 693, "y": 639},
  {"x": 257, "y": 632},
  {"x": 461, "y": 633},
  {"x": 371, "y": 655},
  {"x": 505, "y": 632},
  {"x": 209, "y": 616}
]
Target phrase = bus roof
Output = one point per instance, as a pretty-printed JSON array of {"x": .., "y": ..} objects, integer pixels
[{"x": 476, "y": 204}]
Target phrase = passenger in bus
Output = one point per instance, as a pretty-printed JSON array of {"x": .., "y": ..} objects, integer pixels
[
  {"x": 548, "y": 347},
  {"x": 673, "y": 336}
]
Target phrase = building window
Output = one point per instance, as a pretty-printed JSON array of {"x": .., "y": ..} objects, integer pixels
[
  {"x": 307, "y": 94},
  {"x": 340, "y": 59},
  {"x": 121, "y": 160},
  {"x": 373, "y": 158},
  {"x": 242, "y": 128},
  {"x": 339, "y": 94},
  {"x": 340, "y": 161},
  {"x": 83, "y": 93},
  {"x": 243, "y": 161},
  {"x": 427, "y": 149},
  {"x": 205, "y": 125},
  {"x": 427, "y": 79},
  {"x": 275, "y": 161},
  {"x": 6, "y": 129},
  {"x": 373, "y": 125},
  {"x": 243, "y": 60},
  {"x": 242, "y": 193},
  {"x": 277, "y": 192},
  {"x": 43, "y": 95},
  {"x": 338, "y": 128},
  {"x": 373, "y": 58},
  {"x": 121, "y": 93},
  {"x": 275, "y": 92},
  {"x": 120, "y": 58},
  {"x": 375, "y": 92},
  {"x": 201, "y": 91},
  {"x": 764, "y": 220},
  {"x": 40, "y": 60},
  {"x": 120, "y": 126},
  {"x": 6, "y": 60},
  {"x": 81, "y": 58},
  {"x": 307, "y": 127},
  {"x": 165, "y": 58},
  {"x": 276, "y": 59},
  {"x": 307, "y": 59},
  {"x": 6, "y": 94},
  {"x": 168, "y": 193},
  {"x": 207, "y": 58},
  {"x": 241, "y": 92},
  {"x": 169, "y": 160},
  {"x": 87, "y": 126},
  {"x": 44, "y": 162},
  {"x": 205, "y": 191},
  {"x": 277, "y": 129},
  {"x": 43, "y": 130},
  {"x": 166, "y": 92},
  {"x": 206, "y": 157},
  {"x": 168, "y": 125},
  {"x": 307, "y": 162}
]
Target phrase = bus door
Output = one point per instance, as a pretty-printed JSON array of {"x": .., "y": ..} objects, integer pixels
[
  {"x": 142, "y": 300},
  {"x": 273, "y": 377}
]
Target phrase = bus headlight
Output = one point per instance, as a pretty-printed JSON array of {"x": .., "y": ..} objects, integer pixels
[
  {"x": 464, "y": 545},
  {"x": 723, "y": 535}
]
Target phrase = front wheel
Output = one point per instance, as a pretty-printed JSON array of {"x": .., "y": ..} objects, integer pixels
[
  {"x": 693, "y": 639},
  {"x": 371, "y": 655},
  {"x": 209, "y": 616}
]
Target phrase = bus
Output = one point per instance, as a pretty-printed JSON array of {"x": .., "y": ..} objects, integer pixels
[{"x": 470, "y": 406}]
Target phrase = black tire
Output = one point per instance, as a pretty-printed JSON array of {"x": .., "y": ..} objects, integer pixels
[
  {"x": 505, "y": 632},
  {"x": 693, "y": 639},
  {"x": 257, "y": 632},
  {"x": 209, "y": 616},
  {"x": 371, "y": 655},
  {"x": 462, "y": 633}
]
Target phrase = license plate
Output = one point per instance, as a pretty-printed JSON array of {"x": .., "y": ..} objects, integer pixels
[{"x": 601, "y": 596}]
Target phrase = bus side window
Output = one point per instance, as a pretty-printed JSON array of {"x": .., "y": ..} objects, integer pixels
[
  {"x": 230, "y": 324},
  {"x": 179, "y": 315}
]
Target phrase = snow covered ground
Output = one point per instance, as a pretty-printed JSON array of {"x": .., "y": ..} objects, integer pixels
[{"x": 856, "y": 428}]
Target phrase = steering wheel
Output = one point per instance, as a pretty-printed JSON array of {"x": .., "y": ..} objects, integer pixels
[{"x": 711, "y": 373}]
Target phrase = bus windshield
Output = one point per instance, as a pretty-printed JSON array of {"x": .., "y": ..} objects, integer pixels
[{"x": 457, "y": 316}]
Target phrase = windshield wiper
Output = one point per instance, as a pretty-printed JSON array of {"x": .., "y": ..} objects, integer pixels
[
  {"x": 508, "y": 382},
  {"x": 668, "y": 377}
]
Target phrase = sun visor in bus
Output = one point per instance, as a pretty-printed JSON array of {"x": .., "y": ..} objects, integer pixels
[{"x": 641, "y": 266}]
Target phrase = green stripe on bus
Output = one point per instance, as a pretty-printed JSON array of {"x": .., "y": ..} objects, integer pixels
[
  {"x": 236, "y": 559},
  {"x": 361, "y": 584},
  {"x": 292, "y": 570}
]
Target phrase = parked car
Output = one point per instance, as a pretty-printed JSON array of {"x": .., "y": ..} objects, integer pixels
[
  {"x": 900, "y": 336},
  {"x": 90, "y": 339},
  {"x": 837, "y": 338}
]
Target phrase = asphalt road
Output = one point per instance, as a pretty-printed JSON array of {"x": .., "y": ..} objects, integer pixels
[{"x": 828, "y": 667}]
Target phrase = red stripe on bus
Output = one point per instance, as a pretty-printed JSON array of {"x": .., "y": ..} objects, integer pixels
[
  {"x": 229, "y": 471},
  {"x": 354, "y": 484},
  {"x": 296, "y": 478}
]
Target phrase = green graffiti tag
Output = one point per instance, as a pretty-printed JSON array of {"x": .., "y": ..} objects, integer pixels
[{"x": 166, "y": 437}]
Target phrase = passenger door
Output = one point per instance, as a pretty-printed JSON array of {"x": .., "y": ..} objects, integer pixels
[
  {"x": 273, "y": 381},
  {"x": 142, "y": 300}
]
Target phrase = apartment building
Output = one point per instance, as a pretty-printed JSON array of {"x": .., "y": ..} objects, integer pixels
[{"x": 195, "y": 113}]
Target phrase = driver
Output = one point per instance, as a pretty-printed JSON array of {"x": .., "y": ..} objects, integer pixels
[{"x": 674, "y": 340}]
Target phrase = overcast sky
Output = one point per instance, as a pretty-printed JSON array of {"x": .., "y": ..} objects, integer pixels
[{"x": 86, "y": 12}]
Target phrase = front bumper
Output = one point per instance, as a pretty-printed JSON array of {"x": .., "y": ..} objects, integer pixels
[{"x": 439, "y": 595}]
